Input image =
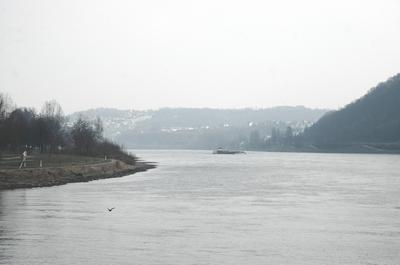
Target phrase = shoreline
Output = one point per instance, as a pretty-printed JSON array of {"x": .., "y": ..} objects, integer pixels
[
  {"x": 344, "y": 149},
  {"x": 55, "y": 176}
]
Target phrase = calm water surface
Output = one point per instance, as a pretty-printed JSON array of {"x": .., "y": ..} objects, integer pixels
[{"x": 198, "y": 208}]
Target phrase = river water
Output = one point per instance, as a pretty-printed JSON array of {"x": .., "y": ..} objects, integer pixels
[{"x": 199, "y": 208}]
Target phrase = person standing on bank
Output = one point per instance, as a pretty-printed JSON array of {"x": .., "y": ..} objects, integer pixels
[{"x": 23, "y": 162}]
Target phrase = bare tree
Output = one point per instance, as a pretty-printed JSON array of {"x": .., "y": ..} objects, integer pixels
[
  {"x": 99, "y": 129},
  {"x": 52, "y": 109},
  {"x": 50, "y": 126},
  {"x": 6, "y": 106},
  {"x": 84, "y": 136}
]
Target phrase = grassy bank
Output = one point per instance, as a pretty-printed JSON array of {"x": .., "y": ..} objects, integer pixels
[
  {"x": 13, "y": 161},
  {"x": 62, "y": 169}
]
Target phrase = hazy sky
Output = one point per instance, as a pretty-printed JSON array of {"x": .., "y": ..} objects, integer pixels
[{"x": 219, "y": 53}]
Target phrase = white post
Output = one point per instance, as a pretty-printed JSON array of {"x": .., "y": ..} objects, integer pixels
[{"x": 41, "y": 163}]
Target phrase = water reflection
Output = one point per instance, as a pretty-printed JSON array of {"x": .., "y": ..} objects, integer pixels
[
  {"x": 8, "y": 220},
  {"x": 3, "y": 242}
]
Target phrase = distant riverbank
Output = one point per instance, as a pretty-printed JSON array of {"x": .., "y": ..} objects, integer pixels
[
  {"x": 53, "y": 176},
  {"x": 367, "y": 148}
]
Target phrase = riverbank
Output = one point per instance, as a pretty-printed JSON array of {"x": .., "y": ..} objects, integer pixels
[
  {"x": 54, "y": 176},
  {"x": 366, "y": 148}
]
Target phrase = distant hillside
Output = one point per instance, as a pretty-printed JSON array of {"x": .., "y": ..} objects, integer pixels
[
  {"x": 372, "y": 119},
  {"x": 197, "y": 128}
]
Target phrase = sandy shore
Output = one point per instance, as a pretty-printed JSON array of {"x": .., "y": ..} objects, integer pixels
[{"x": 53, "y": 176}]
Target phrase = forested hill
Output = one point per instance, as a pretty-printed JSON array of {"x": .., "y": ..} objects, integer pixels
[{"x": 374, "y": 118}]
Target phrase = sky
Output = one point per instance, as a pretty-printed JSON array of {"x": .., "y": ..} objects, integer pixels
[{"x": 181, "y": 53}]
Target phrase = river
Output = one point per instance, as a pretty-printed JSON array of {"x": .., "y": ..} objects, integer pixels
[{"x": 199, "y": 208}]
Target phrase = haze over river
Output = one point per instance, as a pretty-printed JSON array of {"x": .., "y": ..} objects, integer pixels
[{"x": 199, "y": 208}]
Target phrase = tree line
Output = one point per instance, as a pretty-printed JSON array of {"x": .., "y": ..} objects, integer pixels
[
  {"x": 48, "y": 132},
  {"x": 371, "y": 120}
]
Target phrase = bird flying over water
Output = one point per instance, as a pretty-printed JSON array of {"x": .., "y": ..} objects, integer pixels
[{"x": 110, "y": 209}]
